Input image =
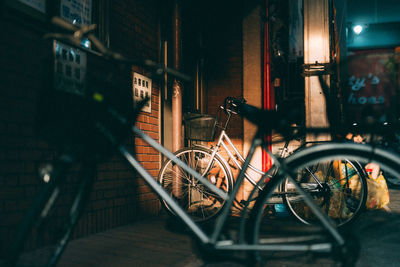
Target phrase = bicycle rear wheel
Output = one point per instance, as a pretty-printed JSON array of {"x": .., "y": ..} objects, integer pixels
[
  {"x": 297, "y": 240},
  {"x": 191, "y": 195},
  {"x": 338, "y": 185}
]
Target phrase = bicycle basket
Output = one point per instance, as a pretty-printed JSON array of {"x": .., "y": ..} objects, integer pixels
[
  {"x": 200, "y": 127},
  {"x": 80, "y": 87}
]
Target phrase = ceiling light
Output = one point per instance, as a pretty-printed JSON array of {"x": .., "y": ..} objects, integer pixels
[{"x": 357, "y": 29}]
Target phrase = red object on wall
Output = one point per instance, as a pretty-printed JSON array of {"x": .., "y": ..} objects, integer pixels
[{"x": 268, "y": 92}]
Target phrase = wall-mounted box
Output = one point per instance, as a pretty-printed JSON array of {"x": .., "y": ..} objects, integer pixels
[{"x": 142, "y": 89}]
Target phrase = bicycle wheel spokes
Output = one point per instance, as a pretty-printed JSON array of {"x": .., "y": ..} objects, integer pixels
[
  {"x": 338, "y": 186},
  {"x": 195, "y": 198}
]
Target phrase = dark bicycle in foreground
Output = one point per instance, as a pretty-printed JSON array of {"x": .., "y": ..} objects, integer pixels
[{"x": 103, "y": 127}]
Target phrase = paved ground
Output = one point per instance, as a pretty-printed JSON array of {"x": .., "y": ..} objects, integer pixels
[{"x": 149, "y": 243}]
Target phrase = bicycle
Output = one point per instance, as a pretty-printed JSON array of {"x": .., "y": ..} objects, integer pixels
[
  {"x": 82, "y": 125},
  {"x": 328, "y": 185},
  {"x": 250, "y": 233}
]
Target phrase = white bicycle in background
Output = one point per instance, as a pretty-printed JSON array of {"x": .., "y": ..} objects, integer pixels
[{"x": 328, "y": 181}]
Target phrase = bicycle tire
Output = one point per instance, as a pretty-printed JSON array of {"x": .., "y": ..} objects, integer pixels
[
  {"x": 392, "y": 181},
  {"x": 191, "y": 195},
  {"x": 256, "y": 230},
  {"x": 339, "y": 186}
]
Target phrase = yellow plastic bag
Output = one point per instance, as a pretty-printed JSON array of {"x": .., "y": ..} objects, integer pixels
[{"x": 378, "y": 192}]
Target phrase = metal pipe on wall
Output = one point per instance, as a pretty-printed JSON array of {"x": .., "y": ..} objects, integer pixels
[
  {"x": 176, "y": 93},
  {"x": 177, "y": 86}
]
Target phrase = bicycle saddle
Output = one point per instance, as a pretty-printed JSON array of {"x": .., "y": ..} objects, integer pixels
[{"x": 266, "y": 120}]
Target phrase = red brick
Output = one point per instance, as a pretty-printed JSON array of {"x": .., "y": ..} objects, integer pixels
[
  {"x": 125, "y": 175},
  {"x": 106, "y": 175},
  {"x": 147, "y": 196},
  {"x": 108, "y": 166},
  {"x": 119, "y": 201},
  {"x": 154, "y": 173},
  {"x": 109, "y": 193},
  {"x": 11, "y": 192},
  {"x": 100, "y": 204},
  {"x": 13, "y": 218},
  {"x": 150, "y": 165}
]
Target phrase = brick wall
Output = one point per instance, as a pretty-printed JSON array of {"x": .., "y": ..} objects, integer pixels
[
  {"x": 224, "y": 64},
  {"x": 224, "y": 67},
  {"x": 119, "y": 196},
  {"x": 224, "y": 74}
]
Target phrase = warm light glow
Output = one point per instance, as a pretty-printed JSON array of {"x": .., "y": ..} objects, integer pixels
[
  {"x": 357, "y": 29},
  {"x": 46, "y": 178}
]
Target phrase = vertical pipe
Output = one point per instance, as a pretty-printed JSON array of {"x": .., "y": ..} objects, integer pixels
[
  {"x": 176, "y": 93},
  {"x": 177, "y": 86},
  {"x": 268, "y": 98},
  {"x": 201, "y": 85},
  {"x": 197, "y": 87}
]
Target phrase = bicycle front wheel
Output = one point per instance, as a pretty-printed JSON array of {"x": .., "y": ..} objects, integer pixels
[
  {"x": 337, "y": 185},
  {"x": 191, "y": 195}
]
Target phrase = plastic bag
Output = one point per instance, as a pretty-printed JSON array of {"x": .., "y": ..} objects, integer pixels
[{"x": 378, "y": 192}]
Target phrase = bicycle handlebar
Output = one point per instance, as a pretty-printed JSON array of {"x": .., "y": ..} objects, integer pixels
[
  {"x": 85, "y": 31},
  {"x": 266, "y": 120},
  {"x": 231, "y": 104}
]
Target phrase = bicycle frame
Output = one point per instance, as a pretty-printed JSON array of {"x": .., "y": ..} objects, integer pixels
[
  {"x": 221, "y": 220},
  {"x": 226, "y": 143},
  {"x": 45, "y": 200},
  {"x": 213, "y": 238},
  {"x": 222, "y": 140}
]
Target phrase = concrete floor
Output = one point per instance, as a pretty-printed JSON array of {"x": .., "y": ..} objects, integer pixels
[{"x": 149, "y": 243}]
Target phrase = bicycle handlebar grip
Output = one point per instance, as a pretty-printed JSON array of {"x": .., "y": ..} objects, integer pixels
[
  {"x": 64, "y": 24},
  {"x": 79, "y": 32},
  {"x": 232, "y": 104}
]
